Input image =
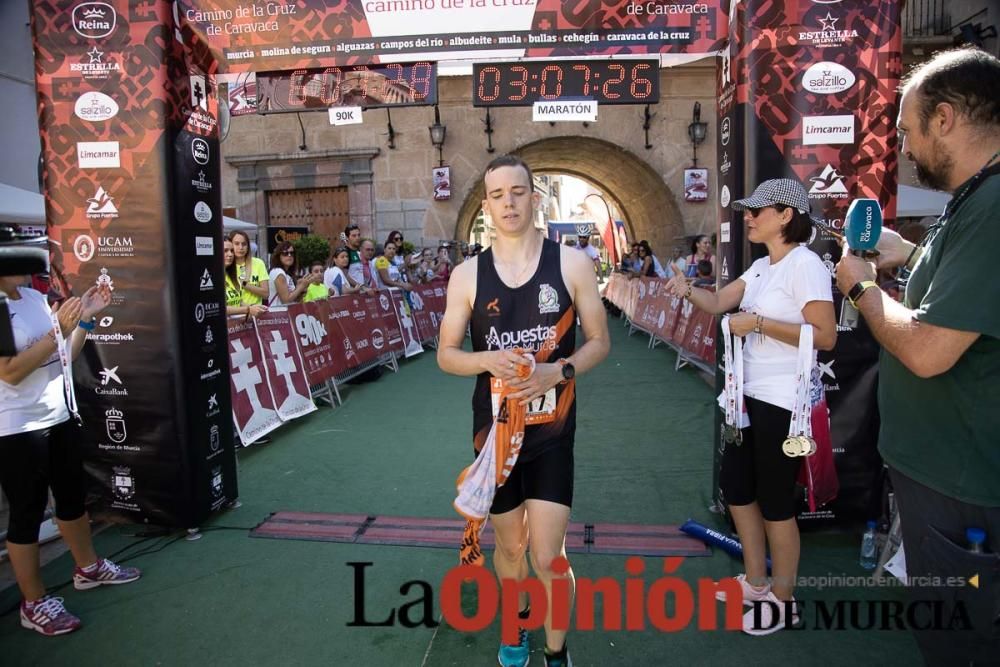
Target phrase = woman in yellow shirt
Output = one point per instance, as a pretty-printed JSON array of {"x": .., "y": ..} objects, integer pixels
[
  {"x": 250, "y": 271},
  {"x": 234, "y": 290}
]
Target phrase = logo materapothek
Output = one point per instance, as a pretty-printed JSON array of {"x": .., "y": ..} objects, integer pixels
[
  {"x": 94, "y": 20},
  {"x": 114, "y": 424},
  {"x": 548, "y": 299},
  {"x": 101, "y": 205}
]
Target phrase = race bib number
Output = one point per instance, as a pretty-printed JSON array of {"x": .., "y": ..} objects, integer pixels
[{"x": 540, "y": 411}]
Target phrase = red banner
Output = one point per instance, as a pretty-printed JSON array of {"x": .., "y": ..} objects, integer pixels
[
  {"x": 385, "y": 334},
  {"x": 284, "y": 366},
  {"x": 700, "y": 337},
  {"x": 422, "y": 299},
  {"x": 357, "y": 328},
  {"x": 253, "y": 405},
  {"x": 314, "y": 341}
]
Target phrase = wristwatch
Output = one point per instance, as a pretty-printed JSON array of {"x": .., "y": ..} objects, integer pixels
[
  {"x": 858, "y": 290},
  {"x": 568, "y": 370}
]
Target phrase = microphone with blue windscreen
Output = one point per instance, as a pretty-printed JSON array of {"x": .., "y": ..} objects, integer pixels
[{"x": 862, "y": 230}]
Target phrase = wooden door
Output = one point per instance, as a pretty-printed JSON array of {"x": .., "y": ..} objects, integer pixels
[{"x": 325, "y": 211}]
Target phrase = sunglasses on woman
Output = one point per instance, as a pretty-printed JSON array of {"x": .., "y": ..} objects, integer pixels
[
  {"x": 754, "y": 212},
  {"x": 288, "y": 253}
]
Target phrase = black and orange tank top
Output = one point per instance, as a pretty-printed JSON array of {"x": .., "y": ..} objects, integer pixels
[{"x": 538, "y": 316}]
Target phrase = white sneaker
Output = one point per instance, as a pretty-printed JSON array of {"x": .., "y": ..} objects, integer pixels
[
  {"x": 750, "y": 594},
  {"x": 769, "y": 615}
]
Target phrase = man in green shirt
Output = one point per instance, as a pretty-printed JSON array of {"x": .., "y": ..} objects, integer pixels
[
  {"x": 353, "y": 234},
  {"x": 939, "y": 379}
]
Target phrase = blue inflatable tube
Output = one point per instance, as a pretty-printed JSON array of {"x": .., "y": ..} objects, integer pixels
[{"x": 728, "y": 544}]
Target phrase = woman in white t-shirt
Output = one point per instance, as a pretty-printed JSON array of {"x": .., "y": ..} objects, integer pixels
[
  {"x": 284, "y": 266},
  {"x": 776, "y": 295},
  {"x": 40, "y": 449},
  {"x": 336, "y": 278}
]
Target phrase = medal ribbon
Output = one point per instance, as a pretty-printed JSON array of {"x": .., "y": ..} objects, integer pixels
[
  {"x": 62, "y": 347},
  {"x": 732, "y": 367},
  {"x": 801, "y": 421}
]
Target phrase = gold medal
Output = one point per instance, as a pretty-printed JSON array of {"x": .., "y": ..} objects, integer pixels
[{"x": 790, "y": 446}]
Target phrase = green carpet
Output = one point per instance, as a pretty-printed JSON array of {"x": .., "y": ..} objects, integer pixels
[{"x": 643, "y": 455}]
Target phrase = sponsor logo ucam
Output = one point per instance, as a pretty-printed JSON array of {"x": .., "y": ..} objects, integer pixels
[
  {"x": 534, "y": 339},
  {"x": 828, "y": 35},
  {"x": 825, "y": 130},
  {"x": 98, "y": 154},
  {"x": 93, "y": 67},
  {"x": 94, "y": 106},
  {"x": 86, "y": 247},
  {"x": 94, "y": 20},
  {"x": 826, "y": 78}
]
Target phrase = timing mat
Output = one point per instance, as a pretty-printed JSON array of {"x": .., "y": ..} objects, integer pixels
[{"x": 581, "y": 538}]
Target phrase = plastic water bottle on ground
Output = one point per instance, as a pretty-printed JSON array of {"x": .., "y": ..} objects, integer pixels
[{"x": 869, "y": 550}]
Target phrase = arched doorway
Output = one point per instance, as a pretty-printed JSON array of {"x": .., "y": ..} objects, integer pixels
[{"x": 639, "y": 193}]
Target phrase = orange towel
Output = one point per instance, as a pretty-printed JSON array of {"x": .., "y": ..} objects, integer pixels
[{"x": 478, "y": 483}]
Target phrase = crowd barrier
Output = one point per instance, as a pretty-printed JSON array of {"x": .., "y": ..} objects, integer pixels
[
  {"x": 285, "y": 359},
  {"x": 647, "y": 307}
]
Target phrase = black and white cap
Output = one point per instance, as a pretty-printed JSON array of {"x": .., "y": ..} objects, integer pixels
[{"x": 785, "y": 191}]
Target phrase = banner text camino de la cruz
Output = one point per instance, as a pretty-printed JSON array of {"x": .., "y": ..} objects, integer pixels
[{"x": 255, "y": 35}]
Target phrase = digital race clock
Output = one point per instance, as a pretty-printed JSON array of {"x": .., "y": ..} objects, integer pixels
[
  {"x": 607, "y": 81},
  {"x": 388, "y": 85}
]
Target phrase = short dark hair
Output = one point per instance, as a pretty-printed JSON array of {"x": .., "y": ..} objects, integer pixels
[
  {"x": 967, "y": 78},
  {"x": 704, "y": 267},
  {"x": 799, "y": 228},
  {"x": 509, "y": 160},
  {"x": 350, "y": 228}
]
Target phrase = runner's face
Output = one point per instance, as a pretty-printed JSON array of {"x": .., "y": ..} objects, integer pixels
[
  {"x": 509, "y": 201},
  {"x": 228, "y": 255}
]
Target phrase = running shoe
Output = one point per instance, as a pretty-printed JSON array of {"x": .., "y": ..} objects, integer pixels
[
  {"x": 767, "y": 623},
  {"x": 48, "y": 617},
  {"x": 560, "y": 659},
  {"x": 106, "y": 573},
  {"x": 750, "y": 594},
  {"x": 515, "y": 655}
]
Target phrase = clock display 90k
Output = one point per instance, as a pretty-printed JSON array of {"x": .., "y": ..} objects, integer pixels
[{"x": 607, "y": 81}]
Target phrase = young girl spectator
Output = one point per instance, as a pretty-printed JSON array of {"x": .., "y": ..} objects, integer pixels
[{"x": 250, "y": 271}]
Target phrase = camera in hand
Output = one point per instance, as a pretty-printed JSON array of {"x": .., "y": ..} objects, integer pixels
[{"x": 19, "y": 256}]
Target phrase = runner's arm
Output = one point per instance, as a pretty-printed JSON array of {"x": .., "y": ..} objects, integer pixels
[{"x": 458, "y": 311}]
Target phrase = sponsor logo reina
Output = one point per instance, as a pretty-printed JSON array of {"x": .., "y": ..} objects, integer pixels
[
  {"x": 94, "y": 20},
  {"x": 93, "y": 67}
]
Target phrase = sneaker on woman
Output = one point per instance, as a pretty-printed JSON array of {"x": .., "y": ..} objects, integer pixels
[
  {"x": 48, "y": 616},
  {"x": 767, "y": 623},
  {"x": 751, "y": 593},
  {"x": 515, "y": 655},
  {"x": 103, "y": 573}
]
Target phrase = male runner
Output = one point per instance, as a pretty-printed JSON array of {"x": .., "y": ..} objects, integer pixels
[{"x": 526, "y": 292}]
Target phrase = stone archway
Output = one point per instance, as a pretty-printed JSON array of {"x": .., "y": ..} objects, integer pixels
[{"x": 646, "y": 203}]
